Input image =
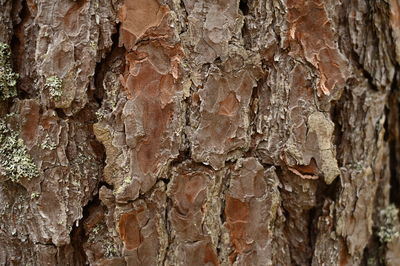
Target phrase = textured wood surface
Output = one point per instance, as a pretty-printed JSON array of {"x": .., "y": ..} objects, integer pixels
[{"x": 199, "y": 132}]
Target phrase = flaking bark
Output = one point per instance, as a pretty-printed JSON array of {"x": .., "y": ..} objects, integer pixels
[{"x": 186, "y": 132}]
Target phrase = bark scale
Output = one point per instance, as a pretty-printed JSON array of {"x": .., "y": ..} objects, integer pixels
[{"x": 183, "y": 132}]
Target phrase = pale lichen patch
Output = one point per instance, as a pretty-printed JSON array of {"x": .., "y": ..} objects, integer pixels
[
  {"x": 8, "y": 79},
  {"x": 48, "y": 143},
  {"x": 54, "y": 85},
  {"x": 389, "y": 230},
  {"x": 15, "y": 162}
]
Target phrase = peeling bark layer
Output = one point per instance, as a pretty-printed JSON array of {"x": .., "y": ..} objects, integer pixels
[{"x": 183, "y": 132}]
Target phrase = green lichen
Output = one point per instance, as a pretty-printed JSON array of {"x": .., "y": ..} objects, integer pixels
[
  {"x": 389, "y": 231},
  {"x": 95, "y": 232},
  {"x": 8, "y": 79},
  {"x": 48, "y": 144},
  {"x": 110, "y": 250},
  {"x": 54, "y": 84},
  {"x": 15, "y": 161},
  {"x": 100, "y": 114},
  {"x": 371, "y": 262},
  {"x": 35, "y": 195}
]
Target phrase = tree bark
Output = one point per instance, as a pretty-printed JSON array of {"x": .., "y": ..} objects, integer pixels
[{"x": 183, "y": 132}]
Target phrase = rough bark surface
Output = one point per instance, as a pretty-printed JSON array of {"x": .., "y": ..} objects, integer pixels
[{"x": 199, "y": 132}]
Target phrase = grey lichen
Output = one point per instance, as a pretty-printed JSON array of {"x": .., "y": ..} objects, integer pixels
[
  {"x": 371, "y": 261},
  {"x": 35, "y": 195},
  {"x": 54, "y": 84},
  {"x": 95, "y": 232},
  {"x": 389, "y": 230},
  {"x": 110, "y": 250},
  {"x": 15, "y": 162},
  {"x": 48, "y": 143},
  {"x": 8, "y": 79},
  {"x": 100, "y": 114}
]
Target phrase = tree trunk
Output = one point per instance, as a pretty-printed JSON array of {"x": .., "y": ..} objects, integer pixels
[{"x": 186, "y": 132}]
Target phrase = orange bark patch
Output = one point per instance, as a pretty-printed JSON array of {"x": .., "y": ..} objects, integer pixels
[
  {"x": 153, "y": 93},
  {"x": 142, "y": 79},
  {"x": 30, "y": 114},
  {"x": 129, "y": 230},
  {"x": 395, "y": 14},
  {"x": 395, "y": 24},
  {"x": 343, "y": 254},
  {"x": 210, "y": 256},
  {"x": 192, "y": 189},
  {"x": 189, "y": 196},
  {"x": 224, "y": 102},
  {"x": 151, "y": 84},
  {"x": 137, "y": 16},
  {"x": 310, "y": 26},
  {"x": 236, "y": 210},
  {"x": 229, "y": 106},
  {"x": 237, "y": 215},
  {"x": 309, "y": 171}
]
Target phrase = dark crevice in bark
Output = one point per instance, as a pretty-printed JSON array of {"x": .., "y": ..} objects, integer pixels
[
  {"x": 97, "y": 96},
  {"x": 103, "y": 66},
  {"x": 186, "y": 147},
  {"x": 347, "y": 46},
  {"x": 18, "y": 50},
  {"x": 375, "y": 252},
  {"x": 392, "y": 130},
  {"x": 388, "y": 136},
  {"x": 301, "y": 218},
  {"x": 105, "y": 184},
  {"x": 243, "y": 6},
  {"x": 365, "y": 73},
  {"x": 338, "y": 116},
  {"x": 87, "y": 115},
  {"x": 343, "y": 40},
  {"x": 183, "y": 17},
  {"x": 218, "y": 61},
  {"x": 21, "y": 10},
  {"x": 165, "y": 180},
  {"x": 336, "y": 119},
  {"x": 277, "y": 30},
  {"x": 225, "y": 184},
  {"x": 284, "y": 211},
  {"x": 167, "y": 225},
  {"x": 185, "y": 153},
  {"x": 182, "y": 5},
  {"x": 60, "y": 113},
  {"x": 79, "y": 236},
  {"x": 16, "y": 10},
  {"x": 314, "y": 214},
  {"x": 224, "y": 188},
  {"x": 324, "y": 192},
  {"x": 253, "y": 115},
  {"x": 373, "y": 255},
  {"x": 246, "y": 35},
  {"x": 254, "y": 99}
]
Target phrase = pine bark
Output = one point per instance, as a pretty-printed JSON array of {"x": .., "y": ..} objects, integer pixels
[{"x": 199, "y": 132}]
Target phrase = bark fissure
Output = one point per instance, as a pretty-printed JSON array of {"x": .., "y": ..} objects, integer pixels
[
  {"x": 392, "y": 130},
  {"x": 182, "y": 132}
]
